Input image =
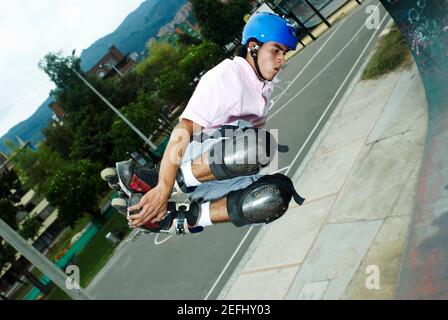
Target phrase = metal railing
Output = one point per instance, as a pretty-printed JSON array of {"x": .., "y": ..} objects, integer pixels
[{"x": 311, "y": 12}]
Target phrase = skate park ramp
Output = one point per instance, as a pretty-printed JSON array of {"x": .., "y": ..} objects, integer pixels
[{"x": 424, "y": 25}]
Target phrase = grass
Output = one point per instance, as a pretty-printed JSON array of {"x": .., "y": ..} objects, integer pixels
[
  {"x": 57, "y": 294},
  {"x": 93, "y": 258},
  {"x": 392, "y": 53},
  {"x": 67, "y": 235}
]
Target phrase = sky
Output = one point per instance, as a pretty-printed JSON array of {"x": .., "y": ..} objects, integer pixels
[{"x": 29, "y": 29}]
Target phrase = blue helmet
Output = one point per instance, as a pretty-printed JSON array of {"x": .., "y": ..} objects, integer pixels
[{"x": 266, "y": 26}]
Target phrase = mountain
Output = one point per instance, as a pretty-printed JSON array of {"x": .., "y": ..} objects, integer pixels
[
  {"x": 31, "y": 128},
  {"x": 134, "y": 31},
  {"x": 130, "y": 36}
]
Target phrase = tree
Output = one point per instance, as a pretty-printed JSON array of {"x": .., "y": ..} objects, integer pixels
[
  {"x": 124, "y": 90},
  {"x": 92, "y": 139},
  {"x": 221, "y": 22},
  {"x": 10, "y": 186},
  {"x": 60, "y": 69},
  {"x": 162, "y": 56},
  {"x": 174, "y": 87},
  {"x": 30, "y": 228},
  {"x": 187, "y": 40},
  {"x": 143, "y": 113},
  {"x": 87, "y": 121},
  {"x": 39, "y": 168},
  {"x": 23, "y": 160},
  {"x": 200, "y": 58},
  {"x": 59, "y": 139},
  {"x": 75, "y": 189},
  {"x": 8, "y": 212}
]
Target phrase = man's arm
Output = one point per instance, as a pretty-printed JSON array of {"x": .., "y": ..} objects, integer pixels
[
  {"x": 154, "y": 203},
  {"x": 174, "y": 152}
]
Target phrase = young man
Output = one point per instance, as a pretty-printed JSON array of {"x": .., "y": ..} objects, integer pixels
[{"x": 233, "y": 95}]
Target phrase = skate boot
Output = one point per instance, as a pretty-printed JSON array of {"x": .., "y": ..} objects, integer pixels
[
  {"x": 132, "y": 181},
  {"x": 133, "y": 178},
  {"x": 129, "y": 177},
  {"x": 180, "y": 218}
]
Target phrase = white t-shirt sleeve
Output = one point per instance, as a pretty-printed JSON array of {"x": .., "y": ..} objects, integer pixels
[{"x": 218, "y": 91}]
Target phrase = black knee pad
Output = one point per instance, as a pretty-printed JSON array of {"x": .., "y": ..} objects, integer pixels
[
  {"x": 242, "y": 154},
  {"x": 263, "y": 201}
]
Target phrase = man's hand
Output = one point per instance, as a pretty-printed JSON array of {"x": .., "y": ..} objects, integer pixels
[{"x": 153, "y": 206}]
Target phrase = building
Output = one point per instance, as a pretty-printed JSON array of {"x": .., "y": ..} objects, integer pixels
[
  {"x": 114, "y": 63},
  {"x": 58, "y": 112},
  {"x": 180, "y": 23},
  {"x": 33, "y": 207},
  {"x": 5, "y": 161},
  {"x": 48, "y": 232}
]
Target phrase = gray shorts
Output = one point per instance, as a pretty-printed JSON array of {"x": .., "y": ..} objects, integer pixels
[{"x": 212, "y": 190}]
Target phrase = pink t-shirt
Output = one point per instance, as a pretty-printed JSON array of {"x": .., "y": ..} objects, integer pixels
[{"x": 230, "y": 91}]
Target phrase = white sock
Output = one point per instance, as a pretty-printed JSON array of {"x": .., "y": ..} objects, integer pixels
[
  {"x": 204, "y": 219},
  {"x": 187, "y": 172}
]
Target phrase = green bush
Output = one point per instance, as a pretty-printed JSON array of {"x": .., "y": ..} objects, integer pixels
[{"x": 392, "y": 52}]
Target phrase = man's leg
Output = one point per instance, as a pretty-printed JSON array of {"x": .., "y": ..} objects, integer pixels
[
  {"x": 242, "y": 154},
  {"x": 263, "y": 201},
  {"x": 238, "y": 157},
  {"x": 218, "y": 211}
]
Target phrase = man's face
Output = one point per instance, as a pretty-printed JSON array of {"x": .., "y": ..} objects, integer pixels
[{"x": 271, "y": 57}]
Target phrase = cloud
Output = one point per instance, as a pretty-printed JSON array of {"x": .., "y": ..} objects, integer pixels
[{"x": 29, "y": 29}]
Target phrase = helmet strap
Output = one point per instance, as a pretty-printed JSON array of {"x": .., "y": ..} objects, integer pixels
[{"x": 254, "y": 54}]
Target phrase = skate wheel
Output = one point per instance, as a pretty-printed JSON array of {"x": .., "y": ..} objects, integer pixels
[
  {"x": 108, "y": 173},
  {"x": 120, "y": 204}
]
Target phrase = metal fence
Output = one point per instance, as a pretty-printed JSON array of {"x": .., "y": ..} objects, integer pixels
[
  {"x": 310, "y": 12},
  {"x": 303, "y": 14}
]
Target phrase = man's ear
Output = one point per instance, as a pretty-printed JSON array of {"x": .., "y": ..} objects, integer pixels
[{"x": 252, "y": 45}]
